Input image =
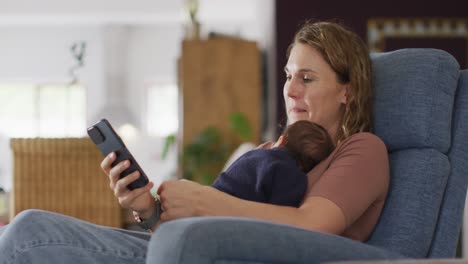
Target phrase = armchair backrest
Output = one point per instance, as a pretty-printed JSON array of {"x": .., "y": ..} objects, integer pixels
[
  {"x": 451, "y": 212},
  {"x": 420, "y": 99}
]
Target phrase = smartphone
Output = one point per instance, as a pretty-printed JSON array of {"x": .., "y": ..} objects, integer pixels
[{"x": 107, "y": 140}]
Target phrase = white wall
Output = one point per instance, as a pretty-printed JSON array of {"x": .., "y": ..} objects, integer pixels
[
  {"x": 25, "y": 11},
  {"x": 41, "y": 53},
  {"x": 153, "y": 53}
]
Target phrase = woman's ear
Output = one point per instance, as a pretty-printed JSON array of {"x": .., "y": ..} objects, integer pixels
[{"x": 345, "y": 93}]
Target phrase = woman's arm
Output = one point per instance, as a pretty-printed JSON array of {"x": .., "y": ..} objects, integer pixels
[
  {"x": 356, "y": 175},
  {"x": 184, "y": 198}
]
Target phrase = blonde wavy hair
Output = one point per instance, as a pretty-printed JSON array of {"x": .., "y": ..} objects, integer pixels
[{"x": 349, "y": 58}]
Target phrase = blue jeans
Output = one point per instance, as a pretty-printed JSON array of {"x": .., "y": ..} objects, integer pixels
[
  {"x": 228, "y": 240},
  {"x": 36, "y": 236},
  {"x": 42, "y": 237}
]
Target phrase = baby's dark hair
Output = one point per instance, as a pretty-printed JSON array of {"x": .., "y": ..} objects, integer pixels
[{"x": 308, "y": 143}]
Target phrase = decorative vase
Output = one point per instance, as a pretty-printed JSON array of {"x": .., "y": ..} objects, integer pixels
[{"x": 193, "y": 31}]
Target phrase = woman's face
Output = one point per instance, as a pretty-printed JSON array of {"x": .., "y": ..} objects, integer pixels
[{"x": 311, "y": 91}]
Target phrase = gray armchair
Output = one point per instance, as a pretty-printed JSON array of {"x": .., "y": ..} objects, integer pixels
[{"x": 421, "y": 113}]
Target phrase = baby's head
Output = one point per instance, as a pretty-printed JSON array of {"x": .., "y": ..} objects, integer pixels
[{"x": 309, "y": 143}]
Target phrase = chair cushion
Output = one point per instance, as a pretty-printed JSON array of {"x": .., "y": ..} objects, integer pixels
[
  {"x": 414, "y": 94},
  {"x": 450, "y": 217},
  {"x": 407, "y": 261},
  {"x": 414, "y": 98},
  {"x": 408, "y": 221}
]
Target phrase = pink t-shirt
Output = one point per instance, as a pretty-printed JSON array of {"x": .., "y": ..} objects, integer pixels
[{"x": 355, "y": 177}]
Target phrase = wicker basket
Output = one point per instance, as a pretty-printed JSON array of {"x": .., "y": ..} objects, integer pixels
[{"x": 62, "y": 175}]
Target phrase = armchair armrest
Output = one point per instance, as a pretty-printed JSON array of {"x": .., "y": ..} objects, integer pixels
[
  {"x": 239, "y": 240},
  {"x": 407, "y": 261}
]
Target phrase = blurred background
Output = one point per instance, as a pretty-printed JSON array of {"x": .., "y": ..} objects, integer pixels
[
  {"x": 171, "y": 76},
  {"x": 127, "y": 73}
]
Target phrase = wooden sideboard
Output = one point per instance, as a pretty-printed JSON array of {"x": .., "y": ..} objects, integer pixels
[{"x": 217, "y": 77}]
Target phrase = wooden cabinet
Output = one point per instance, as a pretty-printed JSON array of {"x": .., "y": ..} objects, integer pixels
[{"x": 217, "y": 77}]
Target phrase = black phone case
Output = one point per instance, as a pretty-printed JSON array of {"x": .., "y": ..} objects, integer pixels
[{"x": 107, "y": 140}]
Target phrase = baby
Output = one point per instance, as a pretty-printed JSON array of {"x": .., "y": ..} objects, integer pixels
[{"x": 278, "y": 175}]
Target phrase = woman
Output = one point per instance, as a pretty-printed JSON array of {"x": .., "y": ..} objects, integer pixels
[{"x": 328, "y": 82}]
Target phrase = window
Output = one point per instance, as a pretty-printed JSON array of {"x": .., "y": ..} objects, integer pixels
[
  {"x": 44, "y": 110},
  {"x": 161, "y": 114}
]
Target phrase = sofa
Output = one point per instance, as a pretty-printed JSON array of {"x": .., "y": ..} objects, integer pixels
[{"x": 421, "y": 113}]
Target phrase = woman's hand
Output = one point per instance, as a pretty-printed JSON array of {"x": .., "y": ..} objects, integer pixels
[
  {"x": 183, "y": 198},
  {"x": 266, "y": 145},
  {"x": 139, "y": 200}
]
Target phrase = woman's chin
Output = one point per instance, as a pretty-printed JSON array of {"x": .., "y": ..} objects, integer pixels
[{"x": 297, "y": 117}]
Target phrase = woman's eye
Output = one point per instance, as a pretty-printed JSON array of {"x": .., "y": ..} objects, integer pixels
[
  {"x": 288, "y": 77},
  {"x": 306, "y": 79}
]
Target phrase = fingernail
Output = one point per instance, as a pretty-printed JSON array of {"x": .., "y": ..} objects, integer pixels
[{"x": 111, "y": 155}]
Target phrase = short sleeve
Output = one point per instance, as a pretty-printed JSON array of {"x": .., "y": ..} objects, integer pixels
[{"x": 357, "y": 176}]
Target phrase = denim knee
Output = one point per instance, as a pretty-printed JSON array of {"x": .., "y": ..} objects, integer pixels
[
  {"x": 31, "y": 222},
  {"x": 30, "y": 214},
  {"x": 27, "y": 222},
  {"x": 45, "y": 237},
  {"x": 23, "y": 232}
]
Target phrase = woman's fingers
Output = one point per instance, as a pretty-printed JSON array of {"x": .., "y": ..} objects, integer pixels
[
  {"x": 179, "y": 199},
  {"x": 137, "y": 199},
  {"x": 127, "y": 199},
  {"x": 121, "y": 185},
  {"x": 119, "y": 168},
  {"x": 114, "y": 174},
  {"x": 107, "y": 162},
  {"x": 165, "y": 185}
]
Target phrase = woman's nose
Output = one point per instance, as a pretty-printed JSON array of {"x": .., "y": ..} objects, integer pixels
[{"x": 293, "y": 89}]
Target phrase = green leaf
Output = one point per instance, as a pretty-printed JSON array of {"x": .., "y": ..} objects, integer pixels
[
  {"x": 168, "y": 142},
  {"x": 205, "y": 155},
  {"x": 207, "y": 179},
  {"x": 241, "y": 126},
  {"x": 208, "y": 137}
]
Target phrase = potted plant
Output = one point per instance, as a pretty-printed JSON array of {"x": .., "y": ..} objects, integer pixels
[{"x": 203, "y": 158}]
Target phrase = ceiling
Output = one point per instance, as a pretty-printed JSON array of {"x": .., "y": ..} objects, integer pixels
[{"x": 35, "y": 12}]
